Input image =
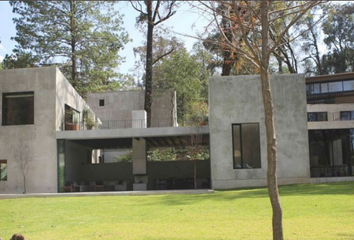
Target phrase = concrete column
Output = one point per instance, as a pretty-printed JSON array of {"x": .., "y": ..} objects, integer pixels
[{"x": 139, "y": 152}]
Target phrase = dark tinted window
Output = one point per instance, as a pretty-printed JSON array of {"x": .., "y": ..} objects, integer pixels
[
  {"x": 246, "y": 145},
  {"x": 18, "y": 108}
]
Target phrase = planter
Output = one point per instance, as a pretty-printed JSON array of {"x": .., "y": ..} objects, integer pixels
[{"x": 70, "y": 126}]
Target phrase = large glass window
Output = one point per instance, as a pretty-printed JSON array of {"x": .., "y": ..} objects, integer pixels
[
  {"x": 331, "y": 152},
  {"x": 18, "y": 108},
  {"x": 317, "y": 116},
  {"x": 71, "y": 118},
  {"x": 246, "y": 145},
  {"x": 3, "y": 170},
  {"x": 329, "y": 87},
  {"x": 348, "y": 85},
  {"x": 324, "y": 87},
  {"x": 346, "y": 115},
  {"x": 335, "y": 86},
  {"x": 61, "y": 164}
]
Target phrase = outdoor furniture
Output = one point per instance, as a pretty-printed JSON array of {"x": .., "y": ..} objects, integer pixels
[
  {"x": 92, "y": 186},
  {"x": 121, "y": 186},
  {"x": 99, "y": 186},
  {"x": 109, "y": 185},
  {"x": 84, "y": 186},
  {"x": 68, "y": 186},
  {"x": 160, "y": 184}
]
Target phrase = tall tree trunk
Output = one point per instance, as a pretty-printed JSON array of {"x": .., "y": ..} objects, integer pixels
[
  {"x": 195, "y": 174},
  {"x": 73, "y": 43},
  {"x": 227, "y": 61},
  {"x": 24, "y": 184},
  {"x": 148, "y": 77},
  {"x": 270, "y": 127}
]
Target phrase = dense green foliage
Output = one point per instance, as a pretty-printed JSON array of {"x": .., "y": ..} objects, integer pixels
[
  {"x": 313, "y": 212},
  {"x": 82, "y": 37},
  {"x": 334, "y": 28},
  {"x": 339, "y": 38},
  {"x": 185, "y": 74}
]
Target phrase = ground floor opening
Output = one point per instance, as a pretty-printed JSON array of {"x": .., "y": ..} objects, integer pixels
[
  {"x": 124, "y": 164},
  {"x": 331, "y": 152}
]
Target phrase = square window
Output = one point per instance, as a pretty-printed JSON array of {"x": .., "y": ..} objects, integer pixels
[
  {"x": 246, "y": 145},
  {"x": 3, "y": 170},
  {"x": 101, "y": 102},
  {"x": 347, "y": 115},
  {"x": 18, "y": 108}
]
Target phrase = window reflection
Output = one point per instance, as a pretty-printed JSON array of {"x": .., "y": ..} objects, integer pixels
[
  {"x": 328, "y": 87},
  {"x": 335, "y": 86}
]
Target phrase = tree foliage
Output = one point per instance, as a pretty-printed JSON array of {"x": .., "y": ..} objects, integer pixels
[
  {"x": 339, "y": 38},
  {"x": 152, "y": 13},
  {"x": 183, "y": 73},
  {"x": 24, "y": 158},
  {"x": 250, "y": 24},
  {"x": 164, "y": 44},
  {"x": 82, "y": 37}
]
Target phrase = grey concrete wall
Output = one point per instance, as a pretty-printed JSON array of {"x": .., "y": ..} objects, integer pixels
[
  {"x": 239, "y": 100},
  {"x": 40, "y": 136},
  {"x": 119, "y": 105},
  {"x": 51, "y": 92},
  {"x": 66, "y": 94}
]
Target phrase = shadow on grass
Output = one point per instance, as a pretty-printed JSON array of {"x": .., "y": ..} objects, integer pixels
[{"x": 290, "y": 190}]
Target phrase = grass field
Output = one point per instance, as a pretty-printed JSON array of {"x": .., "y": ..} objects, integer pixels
[{"x": 323, "y": 211}]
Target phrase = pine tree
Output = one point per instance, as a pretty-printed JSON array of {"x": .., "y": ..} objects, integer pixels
[{"x": 82, "y": 37}]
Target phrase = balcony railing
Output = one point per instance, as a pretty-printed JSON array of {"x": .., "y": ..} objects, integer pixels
[{"x": 127, "y": 123}]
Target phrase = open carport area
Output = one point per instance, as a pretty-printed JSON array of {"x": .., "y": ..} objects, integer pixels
[{"x": 134, "y": 159}]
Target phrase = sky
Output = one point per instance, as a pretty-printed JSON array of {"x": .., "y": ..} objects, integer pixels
[{"x": 185, "y": 21}]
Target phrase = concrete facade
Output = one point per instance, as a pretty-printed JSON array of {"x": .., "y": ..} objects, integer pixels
[
  {"x": 333, "y": 116},
  {"x": 232, "y": 100},
  {"x": 51, "y": 92},
  {"x": 118, "y": 106},
  {"x": 237, "y": 100}
]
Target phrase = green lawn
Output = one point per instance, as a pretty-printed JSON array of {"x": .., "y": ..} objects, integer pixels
[{"x": 324, "y": 211}]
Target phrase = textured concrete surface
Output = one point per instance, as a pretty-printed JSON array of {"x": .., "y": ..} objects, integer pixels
[
  {"x": 132, "y": 133},
  {"x": 51, "y": 92},
  {"x": 238, "y": 99},
  {"x": 119, "y": 106},
  {"x": 39, "y": 136}
]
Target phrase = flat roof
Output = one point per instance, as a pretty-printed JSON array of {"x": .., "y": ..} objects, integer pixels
[
  {"x": 331, "y": 77},
  {"x": 122, "y": 138}
]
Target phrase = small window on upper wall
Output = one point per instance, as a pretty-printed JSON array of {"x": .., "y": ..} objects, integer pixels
[
  {"x": 246, "y": 145},
  {"x": 101, "y": 103},
  {"x": 18, "y": 108},
  {"x": 3, "y": 170}
]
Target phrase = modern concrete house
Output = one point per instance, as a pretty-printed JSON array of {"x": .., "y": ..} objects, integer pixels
[
  {"x": 331, "y": 125},
  {"x": 34, "y": 104},
  {"x": 40, "y": 109}
]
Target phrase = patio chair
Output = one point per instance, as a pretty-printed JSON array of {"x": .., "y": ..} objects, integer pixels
[
  {"x": 99, "y": 186},
  {"x": 68, "y": 186}
]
